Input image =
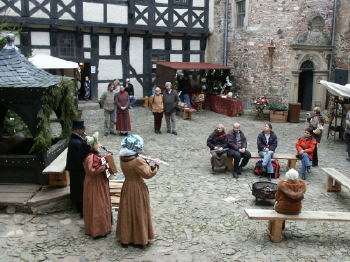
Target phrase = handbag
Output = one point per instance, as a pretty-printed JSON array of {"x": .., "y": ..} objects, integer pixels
[{"x": 318, "y": 130}]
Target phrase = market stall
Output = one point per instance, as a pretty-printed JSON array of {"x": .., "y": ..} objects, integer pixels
[
  {"x": 211, "y": 83},
  {"x": 338, "y": 107}
]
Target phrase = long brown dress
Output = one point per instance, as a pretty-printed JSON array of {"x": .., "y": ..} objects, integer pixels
[
  {"x": 134, "y": 225},
  {"x": 123, "y": 120},
  {"x": 97, "y": 201},
  {"x": 289, "y": 195}
]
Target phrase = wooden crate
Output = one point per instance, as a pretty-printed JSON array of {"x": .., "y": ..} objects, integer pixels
[{"x": 59, "y": 179}]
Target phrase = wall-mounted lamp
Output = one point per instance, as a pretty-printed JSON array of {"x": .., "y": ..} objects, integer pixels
[{"x": 271, "y": 47}]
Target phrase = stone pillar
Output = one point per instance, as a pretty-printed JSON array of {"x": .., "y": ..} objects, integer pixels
[
  {"x": 319, "y": 91},
  {"x": 294, "y": 87}
]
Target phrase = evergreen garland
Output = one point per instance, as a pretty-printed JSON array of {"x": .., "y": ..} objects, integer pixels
[{"x": 60, "y": 99}]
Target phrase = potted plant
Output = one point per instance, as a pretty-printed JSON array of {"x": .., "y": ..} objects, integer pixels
[
  {"x": 278, "y": 113},
  {"x": 260, "y": 103}
]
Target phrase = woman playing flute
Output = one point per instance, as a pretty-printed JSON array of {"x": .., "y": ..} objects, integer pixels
[{"x": 134, "y": 225}]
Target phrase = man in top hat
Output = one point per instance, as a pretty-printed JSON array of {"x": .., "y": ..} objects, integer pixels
[{"x": 77, "y": 151}]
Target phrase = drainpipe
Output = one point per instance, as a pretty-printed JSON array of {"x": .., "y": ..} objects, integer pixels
[
  {"x": 226, "y": 32},
  {"x": 334, "y": 20}
]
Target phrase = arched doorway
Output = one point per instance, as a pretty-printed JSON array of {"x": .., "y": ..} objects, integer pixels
[{"x": 306, "y": 83}]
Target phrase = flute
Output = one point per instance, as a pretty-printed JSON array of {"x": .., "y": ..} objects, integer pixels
[{"x": 156, "y": 160}]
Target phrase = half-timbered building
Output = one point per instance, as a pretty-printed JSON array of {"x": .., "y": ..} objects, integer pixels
[{"x": 112, "y": 39}]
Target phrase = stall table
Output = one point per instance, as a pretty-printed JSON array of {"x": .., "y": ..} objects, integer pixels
[{"x": 225, "y": 106}]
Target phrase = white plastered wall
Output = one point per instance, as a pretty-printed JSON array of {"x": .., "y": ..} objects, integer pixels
[
  {"x": 40, "y": 38},
  {"x": 104, "y": 45},
  {"x": 92, "y": 12},
  {"x": 117, "y": 14}
]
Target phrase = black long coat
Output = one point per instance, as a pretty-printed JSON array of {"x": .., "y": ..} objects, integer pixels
[{"x": 77, "y": 151}]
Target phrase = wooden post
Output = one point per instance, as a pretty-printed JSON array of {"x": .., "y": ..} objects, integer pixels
[
  {"x": 187, "y": 114},
  {"x": 229, "y": 163},
  {"x": 145, "y": 103},
  {"x": 292, "y": 163},
  {"x": 333, "y": 185},
  {"x": 275, "y": 230}
]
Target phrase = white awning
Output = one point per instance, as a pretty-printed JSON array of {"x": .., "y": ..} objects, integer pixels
[
  {"x": 50, "y": 62},
  {"x": 336, "y": 89}
]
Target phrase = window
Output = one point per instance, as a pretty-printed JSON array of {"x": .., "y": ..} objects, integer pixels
[
  {"x": 181, "y": 2},
  {"x": 66, "y": 45},
  {"x": 157, "y": 58},
  {"x": 240, "y": 13}
]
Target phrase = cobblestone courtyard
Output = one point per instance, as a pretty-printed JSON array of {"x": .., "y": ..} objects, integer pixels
[{"x": 197, "y": 216}]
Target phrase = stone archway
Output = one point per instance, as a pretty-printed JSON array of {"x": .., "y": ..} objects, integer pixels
[{"x": 320, "y": 72}]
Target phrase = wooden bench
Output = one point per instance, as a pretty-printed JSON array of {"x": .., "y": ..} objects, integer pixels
[
  {"x": 276, "y": 220},
  {"x": 58, "y": 175},
  {"x": 335, "y": 180},
  {"x": 292, "y": 159},
  {"x": 144, "y": 101}
]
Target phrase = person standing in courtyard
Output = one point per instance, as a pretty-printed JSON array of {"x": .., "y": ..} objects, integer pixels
[
  {"x": 347, "y": 134},
  {"x": 171, "y": 100},
  {"x": 316, "y": 122},
  {"x": 129, "y": 88},
  {"x": 97, "y": 200},
  {"x": 107, "y": 103},
  {"x": 77, "y": 151},
  {"x": 157, "y": 107},
  {"x": 134, "y": 225},
  {"x": 87, "y": 88},
  {"x": 237, "y": 144},
  {"x": 305, "y": 147},
  {"x": 267, "y": 144},
  {"x": 123, "y": 119}
]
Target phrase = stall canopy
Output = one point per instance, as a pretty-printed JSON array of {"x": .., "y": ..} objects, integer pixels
[
  {"x": 336, "y": 89},
  {"x": 44, "y": 61},
  {"x": 166, "y": 71}
]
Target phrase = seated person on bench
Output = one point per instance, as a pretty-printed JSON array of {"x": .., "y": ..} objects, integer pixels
[
  {"x": 290, "y": 193},
  {"x": 237, "y": 144},
  {"x": 217, "y": 142},
  {"x": 305, "y": 147},
  {"x": 267, "y": 144}
]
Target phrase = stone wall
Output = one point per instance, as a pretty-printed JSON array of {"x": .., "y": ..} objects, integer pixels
[
  {"x": 342, "y": 41},
  {"x": 280, "y": 21}
]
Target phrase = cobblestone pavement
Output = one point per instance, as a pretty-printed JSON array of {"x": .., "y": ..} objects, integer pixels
[{"x": 197, "y": 216}]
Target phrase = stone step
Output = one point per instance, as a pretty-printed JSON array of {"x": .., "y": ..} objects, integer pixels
[{"x": 88, "y": 105}]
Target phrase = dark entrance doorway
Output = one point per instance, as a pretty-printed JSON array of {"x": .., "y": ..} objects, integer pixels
[
  {"x": 84, "y": 71},
  {"x": 306, "y": 83}
]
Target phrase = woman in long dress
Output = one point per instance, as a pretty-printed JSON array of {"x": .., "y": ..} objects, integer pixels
[
  {"x": 123, "y": 118},
  {"x": 97, "y": 201},
  {"x": 134, "y": 225}
]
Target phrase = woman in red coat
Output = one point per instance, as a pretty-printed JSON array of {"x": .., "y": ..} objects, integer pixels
[
  {"x": 305, "y": 147},
  {"x": 123, "y": 120}
]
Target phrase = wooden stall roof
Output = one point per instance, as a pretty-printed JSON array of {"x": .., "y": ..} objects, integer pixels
[{"x": 192, "y": 65}]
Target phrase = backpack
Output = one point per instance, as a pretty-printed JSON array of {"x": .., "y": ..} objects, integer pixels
[
  {"x": 276, "y": 167},
  {"x": 258, "y": 168}
]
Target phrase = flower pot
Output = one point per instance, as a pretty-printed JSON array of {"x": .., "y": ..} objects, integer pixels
[{"x": 278, "y": 116}]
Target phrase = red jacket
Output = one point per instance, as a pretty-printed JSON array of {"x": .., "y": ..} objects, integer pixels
[{"x": 306, "y": 144}]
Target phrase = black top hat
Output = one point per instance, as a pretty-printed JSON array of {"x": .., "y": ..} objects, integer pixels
[{"x": 78, "y": 124}]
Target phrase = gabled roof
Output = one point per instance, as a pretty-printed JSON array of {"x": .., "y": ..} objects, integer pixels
[
  {"x": 45, "y": 61},
  {"x": 16, "y": 71},
  {"x": 192, "y": 65}
]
